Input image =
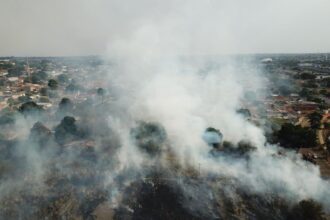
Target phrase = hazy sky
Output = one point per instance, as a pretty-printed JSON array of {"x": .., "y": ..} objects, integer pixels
[{"x": 84, "y": 27}]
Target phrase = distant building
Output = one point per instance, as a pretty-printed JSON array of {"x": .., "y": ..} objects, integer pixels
[
  {"x": 305, "y": 64},
  {"x": 267, "y": 60}
]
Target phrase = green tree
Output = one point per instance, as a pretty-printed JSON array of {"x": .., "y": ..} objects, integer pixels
[
  {"x": 305, "y": 93},
  {"x": 66, "y": 131},
  {"x": 149, "y": 137},
  {"x": 40, "y": 134},
  {"x": 101, "y": 93},
  {"x": 292, "y": 136},
  {"x": 315, "y": 119},
  {"x": 53, "y": 84},
  {"x": 38, "y": 77},
  {"x": 30, "y": 107},
  {"x": 306, "y": 76},
  {"x": 65, "y": 105},
  {"x": 306, "y": 210},
  {"x": 44, "y": 91},
  {"x": 63, "y": 78},
  {"x": 72, "y": 87},
  {"x": 17, "y": 70}
]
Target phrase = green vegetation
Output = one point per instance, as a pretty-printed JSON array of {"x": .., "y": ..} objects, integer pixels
[
  {"x": 306, "y": 76},
  {"x": 44, "y": 91},
  {"x": 149, "y": 137},
  {"x": 66, "y": 131},
  {"x": 30, "y": 107},
  {"x": 24, "y": 98},
  {"x": 53, "y": 84},
  {"x": 39, "y": 77},
  {"x": 315, "y": 119},
  {"x": 65, "y": 105},
  {"x": 40, "y": 134},
  {"x": 17, "y": 70},
  {"x": 72, "y": 87},
  {"x": 44, "y": 99},
  {"x": 306, "y": 210},
  {"x": 8, "y": 118},
  {"x": 101, "y": 92},
  {"x": 63, "y": 78},
  {"x": 244, "y": 112},
  {"x": 295, "y": 136}
]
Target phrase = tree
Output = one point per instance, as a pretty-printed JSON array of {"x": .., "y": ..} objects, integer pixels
[
  {"x": 39, "y": 77},
  {"x": 241, "y": 150},
  {"x": 306, "y": 210},
  {"x": 8, "y": 118},
  {"x": 292, "y": 136},
  {"x": 72, "y": 87},
  {"x": 40, "y": 134},
  {"x": 44, "y": 91},
  {"x": 149, "y": 137},
  {"x": 305, "y": 93},
  {"x": 315, "y": 119},
  {"x": 52, "y": 83},
  {"x": 305, "y": 76},
  {"x": 311, "y": 84},
  {"x": 30, "y": 108},
  {"x": 24, "y": 98},
  {"x": 244, "y": 112},
  {"x": 16, "y": 71},
  {"x": 66, "y": 131},
  {"x": 101, "y": 93},
  {"x": 323, "y": 92},
  {"x": 285, "y": 90},
  {"x": 11, "y": 102},
  {"x": 63, "y": 78},
  {"x": 44, "y": 99},
  {"x": 327, "y": 82},
  {"x": 213, "y": 137},
  {"x": 65, "y": 105}
]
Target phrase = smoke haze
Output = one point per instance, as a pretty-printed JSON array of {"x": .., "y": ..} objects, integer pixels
[{"x": 44, "y": 28}]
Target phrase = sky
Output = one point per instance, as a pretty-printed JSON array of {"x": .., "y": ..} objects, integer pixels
[{"x": 93, "y": 27}]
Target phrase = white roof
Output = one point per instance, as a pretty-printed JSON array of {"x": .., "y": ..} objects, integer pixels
[{"x": 12, "y": 79}]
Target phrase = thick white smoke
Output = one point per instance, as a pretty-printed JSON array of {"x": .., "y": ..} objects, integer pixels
[{"x": 156, "y": 78}]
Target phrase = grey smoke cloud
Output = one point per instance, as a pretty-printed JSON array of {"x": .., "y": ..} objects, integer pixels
[
  {"x": 44, "y": 27},
  {"x": 154, "y": 84}
]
